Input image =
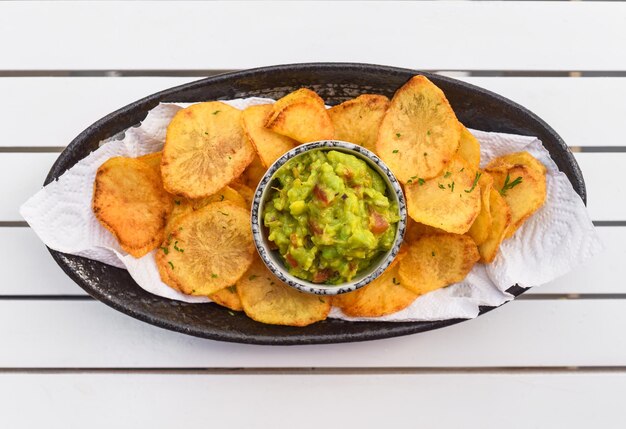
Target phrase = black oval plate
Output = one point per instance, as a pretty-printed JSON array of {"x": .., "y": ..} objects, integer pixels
[{"x": 335, "y": 82}]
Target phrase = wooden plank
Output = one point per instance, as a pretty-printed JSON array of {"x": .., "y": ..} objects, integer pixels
[
  {"x": 60, "y": 122},
  {"x": 513, "y": 36},
  {"x": 72, "y": 104},
  {"x": 577, "y": 108},
  {"x": 28, "y": 268},
  {"x": 367, "y": 400},
  {"x": 535, "y": 333},
  {"x": 22, "y": 174}
]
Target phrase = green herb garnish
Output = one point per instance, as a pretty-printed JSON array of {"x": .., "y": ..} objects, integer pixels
[
  {"x": 252, "y": 277},
  {"x": 441, "y": 186},
  {"x": 395, "y": 151},
  {"x": 171, "y": 265},
  {"x": 231, "y": 289},
  {"x": 398, "y": 135},
  {"x": 421, "y": 181},
  {"x": 475, "y": 183},
  {"x": 165, "y": 250},
  {"x": 216, "y": 112},
  {"x": 509, "y": 185},
  {"x": 213, "y": 276},
  {"x": 448, "y": 174},
  {"x": 395, "y": 282}
]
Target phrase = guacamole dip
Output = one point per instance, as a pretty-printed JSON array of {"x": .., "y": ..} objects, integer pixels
[{"x": 329, "y": 216}]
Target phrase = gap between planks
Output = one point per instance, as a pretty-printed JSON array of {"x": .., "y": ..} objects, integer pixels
[{"x": 325, "y": 371}]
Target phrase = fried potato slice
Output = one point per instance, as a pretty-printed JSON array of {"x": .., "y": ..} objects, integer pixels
[
  {"x": 205, "y": 149},
  {"x": 500, "y": 221},
  {"x": 207, "y": 250},
  {"x": 509, "y": 160},
  {"x": 415, "y": 230},
  {"x": 225, "y": 194},
  {"x": 245, "y": 191},
  {"x": 358, "y": 120},
  {"x": 254, "y": 173},
  {"x": 266, "y": 299},
  {"x": 269, "y": 145},
  {"x": 419, "y": 134},
  {"x": 449, "y": 202},
  {"x": 227, "y": 297},
  {"x": 384, "y": 295},
  {"x": 436, "y": 261},
  {"x": 479, "y": 231},
  {"x": 301, "y": 116},
  {"x": 469, "y": 148},
  {"x": 130, "y": 202},
  {"x": 524, "y": 190},
  {"x": 153, "y": 160}
]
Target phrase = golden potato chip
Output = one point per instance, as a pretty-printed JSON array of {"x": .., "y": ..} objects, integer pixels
[
  {"x": 227, "y": 297},
  {"x": 182, "y": 206},
  {"x": 302, "y": 94},
  {"x": 254, "y": 173},
  {"x": 384, "y": 295},
  {"x": 358, "y": 120},
  {"x": 301, "y": 116},
  {"x": 469, "y": 148},
  {"x": 420, "y": 133},
  {"x": 245, "y": 191},
  {"x": 523, "y": 189},
  {"x": 449, "y": 202},
  {"x": 269, "y": 145},
  {"x": 266, "y": 299},
  {"x": 129, "y": 201},
  {"x": 153, "y": 160},
  {"x": 479, "y": 231},
  {"x": 509, "y": 160},
  {"x": 500, "y": 221},
  {"x": 205, "y": 149},
  {"x": 225, "y": 194},
  {"x": 415, "y": 230},
  {"x": 436, "y": 261},
  {"x": 207, "y": 250}
]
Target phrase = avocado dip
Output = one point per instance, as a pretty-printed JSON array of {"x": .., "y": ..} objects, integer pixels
[{"x": 329, "y": 216}]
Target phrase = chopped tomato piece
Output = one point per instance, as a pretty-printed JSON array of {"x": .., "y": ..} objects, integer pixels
[
  {"x": 293, "y": 238},
  {"x": 323, "y": 275},
  {"x": 320, "y": 194},
  {"x": 378, "y": 224},
  {"x": 315, "y": 228},
  {"x": 291, "y": 261}
]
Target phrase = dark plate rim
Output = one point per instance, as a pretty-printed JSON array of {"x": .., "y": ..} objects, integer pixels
[{"x": 395, "y": 328}]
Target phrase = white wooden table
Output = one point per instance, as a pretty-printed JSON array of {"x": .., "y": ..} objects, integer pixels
[{"x": 556, "y": 357}]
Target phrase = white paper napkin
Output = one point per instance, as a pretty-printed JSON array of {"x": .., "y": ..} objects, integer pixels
[{"x": 557, "y": 238}]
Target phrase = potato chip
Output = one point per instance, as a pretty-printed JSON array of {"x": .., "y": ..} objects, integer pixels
[
  {"x": 301, "y": 116},
  {"x": 358, "y": 120},
  {"x": 415, "y": 230},
  {"x": 384, "y": 295},
  {"x": 129, "y": 201},
  {"x": 266, "y": 299},
  {"x": 500, "y": 221},
  {"x": 302, "y": 94},
  {"x": 436, "y": 261},
  {"x": 245, "y": 191},
  {"x": 227, "y": 297},
  {"x": 469, "y": 148},
  {"x": 207, "y": 250},
  {"x": 479, "y": 231},
  {"x": 269, "y": 145},
  {"x": 419, "y": 134},
  {"x": 523, "y": 189},
  {"x": 254, "y": 173},
  {"x": 517, "y": 158},
  {"x": 225, "y": 194},
  {"x": 205, "y": 149},
  {"x": 153, "y": 160},
  {"x": 449, "y": 202}
]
